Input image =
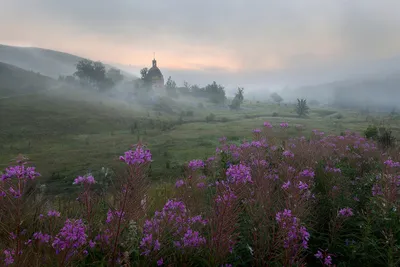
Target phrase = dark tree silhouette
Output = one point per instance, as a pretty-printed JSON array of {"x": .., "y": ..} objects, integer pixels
[{"x": 302, "y": 108}]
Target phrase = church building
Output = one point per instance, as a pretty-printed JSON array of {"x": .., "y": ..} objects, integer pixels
[{"x": 155, "y": 77}]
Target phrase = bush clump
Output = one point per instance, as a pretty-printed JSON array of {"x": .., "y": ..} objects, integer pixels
[{"x": 210, "y": 117}]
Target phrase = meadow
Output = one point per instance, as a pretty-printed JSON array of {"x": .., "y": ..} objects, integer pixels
[
  {"x": 62, "y": 133},
  {"x": 105, "y": 182}
]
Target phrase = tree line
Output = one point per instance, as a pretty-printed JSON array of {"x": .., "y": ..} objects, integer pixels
[{"x": 93, "y": 74}]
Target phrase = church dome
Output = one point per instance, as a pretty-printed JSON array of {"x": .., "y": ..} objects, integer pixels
[
  {"x": 154, "y": 73},
  {"x": 154, "y": 76}
]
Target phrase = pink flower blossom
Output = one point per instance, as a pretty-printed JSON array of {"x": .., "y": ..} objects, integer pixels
[
  {"x": 138, "y": 156},
  {"x": 88, "y": 179},
  {"x": 346, "y": 212},
  {"x": 267, "y": 124}
]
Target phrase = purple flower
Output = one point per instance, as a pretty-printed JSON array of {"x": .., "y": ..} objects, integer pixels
[
  {"x": 307, "y": 173},
  {"x": 239, "y": 174},
  {"x": 197, "y": 219},
  {"x": 92, "y": 244},
  {"x": 15, "y": 193},
  {"x": 280, "y": 215},
  {"x": 179, "y": 183},
  {"x": 43, "y": 238},
  {"x": 71, "y": 237},
  {"x": 111, "y": 215},
  {"x": 286, "y": 185},
  {"x": 346, "y": 212},
  {"x": 193, "y": 239},
  {"x": 196, "y": 164},
  {"x": 226, "y": 198},
  {"x": 173, "y": 216},
  {"x": 334, "y": 170},
  {"x": 284, "y": 125},
  {"x": 267, "y": 124},
  {"x": 13, "y": 236},
  {"x": 89, "y": 179},
  {"x": 288, "y": 154},
  {"x": 157, "y": 245},
  {"x": 160, "y": 262},
  {"x": 392, "y": 164},
  {"x": 319, "y": 255},
  {"x": 303, "y": 186},
  {"x": 256, "y": 131},
  {"x": 137, "y": 156},
  {"x": 201, "y": 185},
  {"x": 9, "y": 259},
  {"x": 19, "y": 172},
  {"x": 376, "y": 190},
  {"x": 210, "y": 159},
  {"x": 53, "y": 213},
  {"x": 296, "y": 235},
  {"x": 146, "y": 242},
  {"x": 328, "y": 260}
]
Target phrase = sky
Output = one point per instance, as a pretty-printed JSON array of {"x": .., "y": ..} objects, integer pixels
[{"x": 243, "y": 40}]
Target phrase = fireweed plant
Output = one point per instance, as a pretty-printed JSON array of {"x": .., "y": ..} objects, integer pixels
[{"x": 324, "y": 200}]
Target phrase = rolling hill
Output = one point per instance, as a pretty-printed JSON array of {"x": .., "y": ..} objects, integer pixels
[
  {"x": 45, "y": 61},
  {"x": 16, "y": 81}
]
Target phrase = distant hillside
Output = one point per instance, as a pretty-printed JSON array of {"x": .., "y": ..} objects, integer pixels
[
  {"x": 47, "y": 62},
  {"x": 14, "y": 81},
  {"x": 383, "y": 92}
]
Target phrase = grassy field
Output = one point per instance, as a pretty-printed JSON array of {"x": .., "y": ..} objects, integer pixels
[{"x": 66, "y": 134}]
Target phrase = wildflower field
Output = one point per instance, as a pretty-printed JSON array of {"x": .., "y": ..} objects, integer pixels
[{"x": 320, "y": 200}]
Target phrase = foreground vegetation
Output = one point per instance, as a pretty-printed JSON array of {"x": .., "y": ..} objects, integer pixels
[{"x": 322, "y": 200}]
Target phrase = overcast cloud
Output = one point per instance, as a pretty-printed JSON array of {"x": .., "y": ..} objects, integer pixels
[{"x": 229, "y": 35}]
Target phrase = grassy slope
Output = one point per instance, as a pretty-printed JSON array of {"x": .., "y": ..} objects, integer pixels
[
  {"x": 14, "y": 81},
  {"x": 66, "y": 135},
  {"x": 45, "y": 61}
]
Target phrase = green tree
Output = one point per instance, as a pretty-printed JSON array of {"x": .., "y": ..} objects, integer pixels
[
  {"x": 185, "y": 89},
  {"x": 277, "y": 98},
  {"x": 115, "y": 75},
  {"x": 302, "y": 108},
  {"x": 215, "y": 93},
  {"x": 93, "y": 74},
  {"x": 170, "y": 87},
  {"x": 143, "y": 73},
  {"x": 237, "y": 100}
]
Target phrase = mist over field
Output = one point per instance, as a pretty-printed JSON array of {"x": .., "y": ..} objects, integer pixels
[{"x": 199, "y": 133}]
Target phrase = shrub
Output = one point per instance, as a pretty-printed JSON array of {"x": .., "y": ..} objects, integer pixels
[
  {"x": 210, "y": 117},
  {"x": 339, "y": 116},
  {"x": 371, "y": 132},
  {"x": 275, "y": 114},
  {"x": 385, "y": 138},
  {"x": 302, "y": 108}
]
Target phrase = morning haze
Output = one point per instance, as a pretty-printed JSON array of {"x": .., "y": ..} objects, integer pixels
[{"x": 199, "y": 133}]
